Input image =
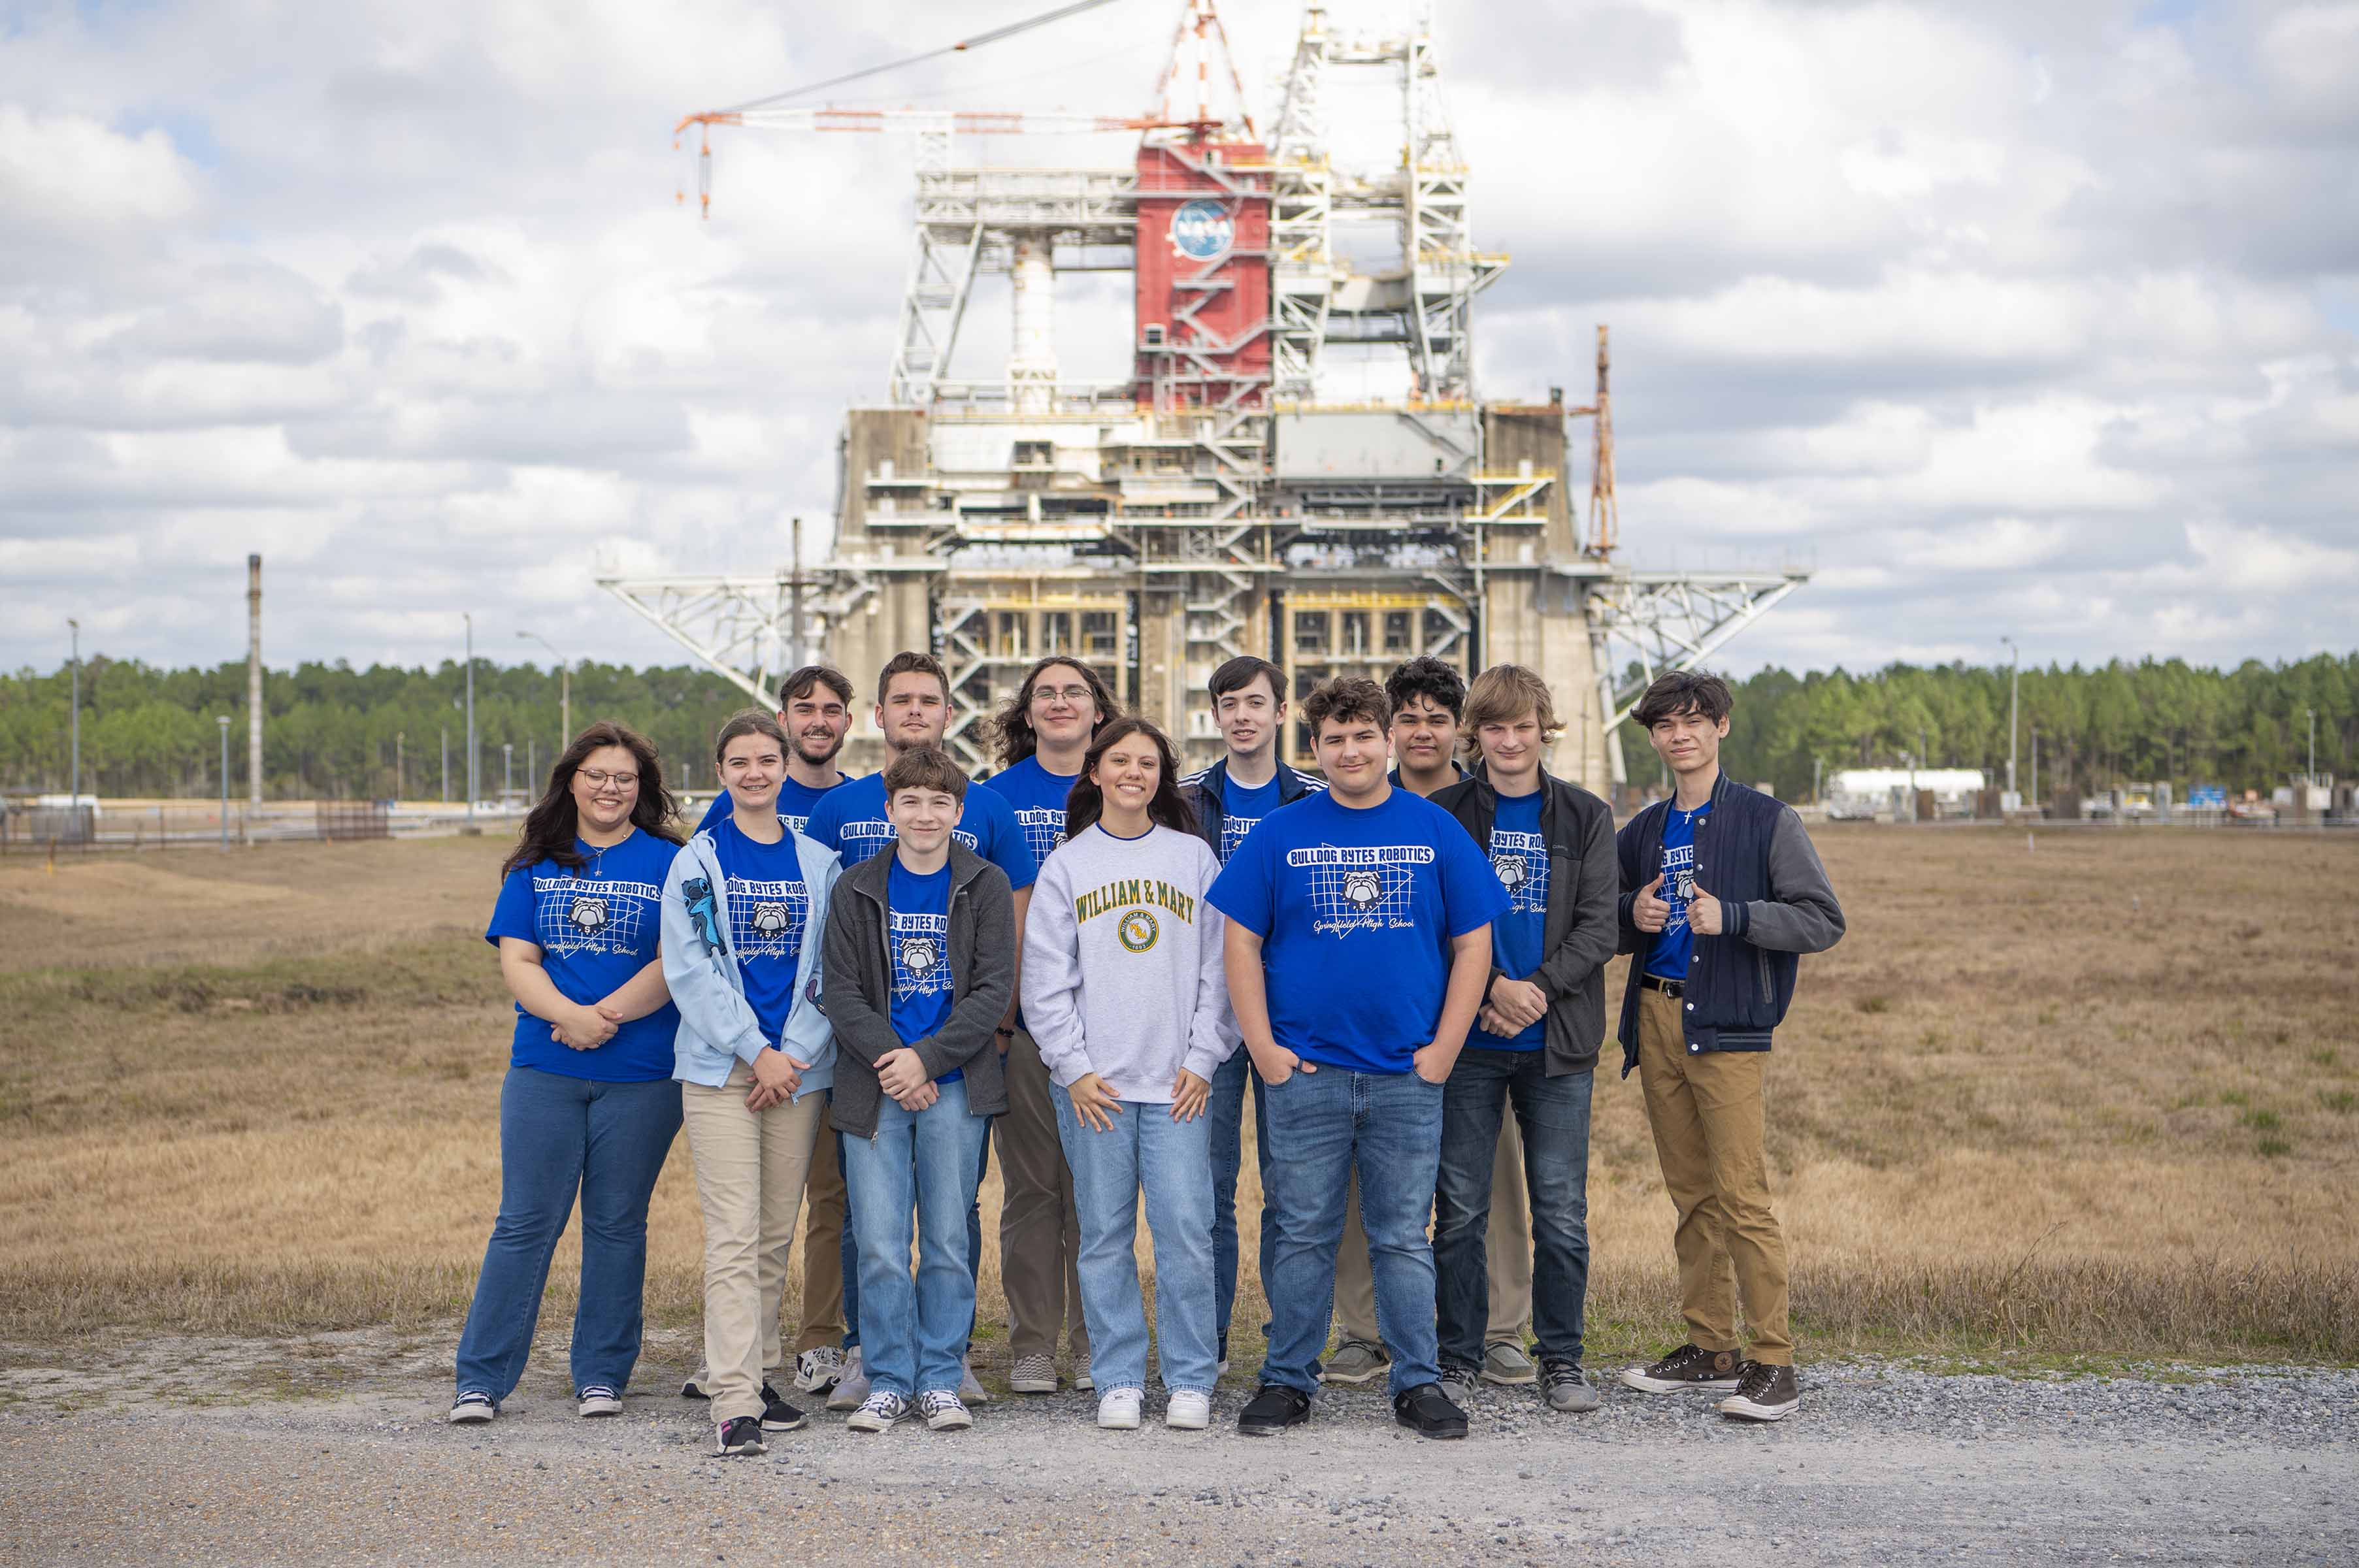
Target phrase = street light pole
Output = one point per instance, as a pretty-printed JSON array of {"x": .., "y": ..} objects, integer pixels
[
  {"x": 508, "y": 772},
  {"x": 2312, "y": 777},
  {"x": 565, "y": 698},
  {"x": 74, "y": 722},
  {"x": 2014, "y": 691},
  {"x": 222, "y": 720},
  {"x": 470, "y": 716}
]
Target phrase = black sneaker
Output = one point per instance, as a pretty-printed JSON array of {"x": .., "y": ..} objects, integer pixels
[
  {"x": 1689, "y": 1367},
  {"x": 1428, "y": 1412},
  {"x": 692, "y": 1389},
  {"x": 1763, "y": 1393},
  {"x": 1273, "y": 1410},
  {"x": 776, "y": 1414},
  {"x": 742, "y": 1436}
]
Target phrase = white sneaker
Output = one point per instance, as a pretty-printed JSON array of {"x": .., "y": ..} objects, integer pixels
[
  {"x": 852, "y": 1385},
  {"x": 1118, "y": 1410},
  {"x": 970, "y": 1391},
  {"x": 1082, "y": 1374},
  {"x": 877, "y": 1412},
  {"x": 598, "y": 1399},
  {"x": 471, "y": 1408},
  {"x": 816, "y": 1372},
  {"x": 1033, "y": 1375},
  {"x": 944, "y": 1411},
  {"x": 1188, "y": 1411}
]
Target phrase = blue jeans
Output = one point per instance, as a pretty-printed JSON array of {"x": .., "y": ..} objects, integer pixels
[
  {"x": 1324, "y": 1126},
  {"x": 1226, "y": 1112},
  {"x": 560, "y": 1136},
  {"x": 921, "y": 1161},
  {"x": 1553, "y": 1116},
  {"x": 851, "y": 1255},
  {"x": 1171, "y": 1162}
]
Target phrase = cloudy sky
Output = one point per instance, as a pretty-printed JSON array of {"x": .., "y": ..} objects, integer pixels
[{"x": 2014, "y": 317}]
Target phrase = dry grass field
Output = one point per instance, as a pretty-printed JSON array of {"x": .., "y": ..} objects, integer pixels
[{"x": 2095, "y": 1101}]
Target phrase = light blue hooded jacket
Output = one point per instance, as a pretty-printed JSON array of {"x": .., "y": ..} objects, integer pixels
[{"x": 717, "y": 1027}]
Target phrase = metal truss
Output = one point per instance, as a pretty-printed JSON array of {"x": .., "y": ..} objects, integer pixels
[
  {"x": 1302, "y": 269},
  {"x": 741, "y": 628},
  {"x": 1668, "y": 620}
]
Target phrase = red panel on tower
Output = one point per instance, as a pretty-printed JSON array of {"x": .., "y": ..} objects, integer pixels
[{"x": 1203, "y": 336}]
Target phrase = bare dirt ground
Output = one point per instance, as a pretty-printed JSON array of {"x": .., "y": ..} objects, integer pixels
[{"x": 1884, "y": 1464}]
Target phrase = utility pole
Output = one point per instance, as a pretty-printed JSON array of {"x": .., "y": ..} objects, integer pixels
[
  {"x": 400, "y": 766},
  {"x": 222, "y": 720},
  {"x": 508, "y": 771},
  {"x": 73, "y": 727},
  {"x": 2311, "y": 776},
  {"x": 795, "y": 601},
  {"x": 471, "y": 717},
  {"x": 446, "y": 764},
  {"x": 2013, "y": 688},
  {"x": 254, "y": 679},
  {"x": 2035, "y": 767},
  {"x": 565, "y": 700}
]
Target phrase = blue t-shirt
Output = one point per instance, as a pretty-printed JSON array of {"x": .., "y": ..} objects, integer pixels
[
  {"x": 769, "y": 909},
  {"x": 1519, "y": 859},
  {"x": 1036, "y": 796},
  {"x": 1356, "y": 910},
  {"x": 596, "y": 927},
  {"x": 1241, "y": 810},
  {"x": 917, "y": 935},
  {"x": 851, "y": 821},
  {"x": 795, "y": 801},
  {"x": 1675, "y": 943}
]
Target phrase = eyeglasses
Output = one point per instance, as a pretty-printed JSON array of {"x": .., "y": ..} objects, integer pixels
[
  {"x": 1074, "y": 695},
  {"x": 599, "y": 782}
]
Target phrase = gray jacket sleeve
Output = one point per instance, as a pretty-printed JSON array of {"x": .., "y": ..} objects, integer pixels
[
  {"x": 1800, "y": 914},
  {"x": 972, "y": 1026},
  {"x": 860, "y": 1029},
  {"x": 1596, "y": 923}
]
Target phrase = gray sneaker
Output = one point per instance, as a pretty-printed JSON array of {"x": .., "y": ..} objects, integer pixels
[
  {"x": 1033, "y": 1375},
  {"x": 1082, "y": 1378},
  {"x": 970, "y": 1392},
  {"x": 1458, "y": 1382},
  {"x": 1506, "y": 1363},
  {"x": 1567, "y": 1388},
  {"x": 1355, "y": 1361},
  {"x": 852, "y": 1387}
]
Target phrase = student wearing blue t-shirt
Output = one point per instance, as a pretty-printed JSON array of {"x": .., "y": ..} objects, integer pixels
[
  {"x": 815, "y": 708},
  {"x": 588, "y": 1109},
  {"x": 921, "y": 967},
  {"x": 1358, "y": 947},
  {"x": 742, "y": 909},
  {"x": 913, "y": 711},
  {"x": 1229, "y": 800},
  {"x": 1534, "y": 1042},
  {"x": 1044, "y": 734}
]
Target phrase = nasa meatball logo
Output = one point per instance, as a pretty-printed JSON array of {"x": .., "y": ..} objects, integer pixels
[
  {"x": 1361, "y": 890},
  {"x": 1136, "y": 931},
  {"x": 1512, "y": 871},
  {"x": 1202, "y": 230},
  {"x": 589, "y": 915},
  {"x": 919, "y": 955},
  {"x": 770, "y": 919}
]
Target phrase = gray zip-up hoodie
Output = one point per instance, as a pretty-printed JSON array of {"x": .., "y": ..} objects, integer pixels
[
  {"x": 717, "y": 1028},
  {"x": 1122, "y": 963}
]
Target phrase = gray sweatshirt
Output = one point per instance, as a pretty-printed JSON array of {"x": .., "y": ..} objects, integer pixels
[{"x": 1122, "y": 972}]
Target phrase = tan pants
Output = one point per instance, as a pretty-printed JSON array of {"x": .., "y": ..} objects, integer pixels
[
  {"x": 1508, "y": 1254},
  {"x": 822, "y": 1318},
  {"x": 1706, "y": 1109},
  {"x": 1039, "y": 1230},
  {"x": 749, "y": 1182}
]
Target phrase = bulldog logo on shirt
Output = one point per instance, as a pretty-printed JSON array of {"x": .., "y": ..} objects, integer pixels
[
  {"x": 1511, "y": 870},
  {"x": 770, "y": 918},
  {"x": 919, "y": 955},
  {"x": 589, "y": 915},
  {"x": 1362, "y": 888}
]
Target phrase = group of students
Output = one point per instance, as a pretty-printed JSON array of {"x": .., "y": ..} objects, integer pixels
[{"x": 840, "y": 986}]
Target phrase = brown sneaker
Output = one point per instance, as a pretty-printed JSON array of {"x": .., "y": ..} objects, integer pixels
[
  {"x": 1763, "y": 1393},
  {"x": 1689, "y": 1367}
]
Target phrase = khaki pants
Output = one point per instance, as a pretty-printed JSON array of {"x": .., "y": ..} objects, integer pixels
[
  {"x": 1039, "y": 1230},
  {"x": 1706, "y": 1109},
  {"x": 749, "y": 1182},
  {"x": 822, "y": 1317},
  {"x": 1509, "y": 1254}
]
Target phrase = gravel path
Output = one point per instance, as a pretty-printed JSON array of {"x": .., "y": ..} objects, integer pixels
[{"x": 1883, "y": 1465}]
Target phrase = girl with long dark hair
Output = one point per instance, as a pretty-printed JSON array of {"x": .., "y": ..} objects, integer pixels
[
  {"x": 1123, "y": 986},
  {"x": 589, "y": 1108}
]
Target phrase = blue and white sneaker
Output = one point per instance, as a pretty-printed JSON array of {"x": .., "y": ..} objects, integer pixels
[
  {"x": 472, "y": 1407},
  {"x": 598, "y": 1399}
]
